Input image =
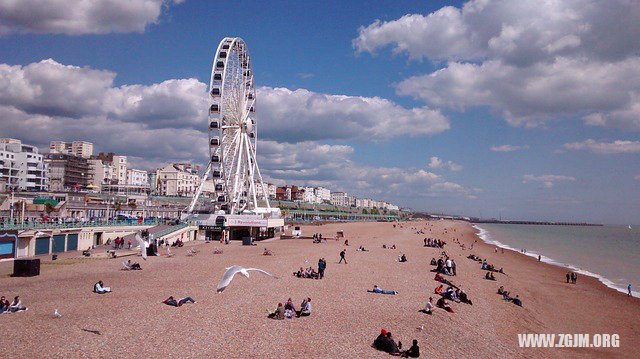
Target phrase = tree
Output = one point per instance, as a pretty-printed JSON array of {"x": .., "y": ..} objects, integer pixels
[{"x": 49, "y": 207}]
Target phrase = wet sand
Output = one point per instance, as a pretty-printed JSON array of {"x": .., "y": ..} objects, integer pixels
[{"x": 133, "y": 321}]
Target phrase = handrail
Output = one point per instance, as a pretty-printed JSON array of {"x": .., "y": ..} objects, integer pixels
[{"x": 32, "y": 225}]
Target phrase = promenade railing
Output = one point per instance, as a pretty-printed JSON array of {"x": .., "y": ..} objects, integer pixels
[{"x": 47, "y": 225}]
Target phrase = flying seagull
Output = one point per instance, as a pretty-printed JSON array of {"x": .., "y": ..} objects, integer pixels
[
  {"x": 231, "y": 271},
  {"x": 143, "y": 247}
]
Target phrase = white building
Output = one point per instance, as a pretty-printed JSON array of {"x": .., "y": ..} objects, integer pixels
[
  {"x": 269, "y": 187},
  {"x": 177, "y": 179},
  {"x": 79, "y": 148},
  {"x": 339, "y": 199},
  {"x": 21, "y": 166},
  {"x": 102, "y": 173},
  {"x": 323, "y": 195},
  {"x": 137, "y": 177},
  {"x": 308, "y": 195}
]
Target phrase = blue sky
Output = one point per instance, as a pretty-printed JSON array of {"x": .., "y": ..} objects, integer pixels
[{"x": 552, "y": 88}]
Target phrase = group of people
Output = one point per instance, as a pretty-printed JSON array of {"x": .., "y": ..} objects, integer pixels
[
  {"x": 435, "y": 243},
  {"x": 387, "y": 344},
  {"x": 507, "y": 296},
  {"x": 317, "y": 238},
  {"x": 118, "y": 243},
  {"x": 288, "y": 310},
  {"x": 573, "y": 277},
  {"x": 393, "y": 246},
  {"x": 178, "y": 303},
  {"x": 11, "y": 307},
  {"x": 129, "y": 265},
  {"x": 446, "y": 266},
  {"x": 308, "y": 273},
  {"x": 402, "y": 258}
]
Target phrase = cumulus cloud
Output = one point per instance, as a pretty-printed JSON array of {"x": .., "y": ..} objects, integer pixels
[
  {"x": 299, "y": 115},
  {"x": 77, "y": 17},
  {"x": 547, "y": 180},
  {"x": 316, "y": 164},
  {"x": 436, "y": 162},
  {"x": 520, "y": 32},
  {"x": 605, "y": 148},
  {"x": 508, "y": 148},
  {"x": 167, "y": 121},
  {"x": 529, "y": 61}
]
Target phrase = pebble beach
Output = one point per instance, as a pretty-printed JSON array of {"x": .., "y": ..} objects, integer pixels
[{"x": 132, "y": 321}]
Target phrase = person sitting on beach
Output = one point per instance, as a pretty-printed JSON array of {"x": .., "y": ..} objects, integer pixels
[
  {"x": 463, "y": 297},
  {"x": 382, "y": 342},
  {"x": 428, "y": 308},
  {"x": 517, "y": 301},
  {"x": 501, "y": 290},
  {"x": 394, "y": 349},
  {"x": 278, "y": 313},
  {"x": 217, "y": 250},
  {"x": 489, "y": 276},
  {"x": 484, "y": 265},
  {"x": 16, "y": 305},
  {"x": 4, "y": 304},
  {"x": 100, "y": 288},
  {"x": 506, "y": 296},
  {"x": 393, "y": 247},
  {"x": 402, "y": 258},
  {"x": 442, "y": 303},
  {"x": 299, "y": 273},
  {"x": 267, "y": 252},
  {"x": 438, "y": 289},
  {"x": 381, "y": 291},
  {"x": 305, "y": 308},
  {"x": 171, "y": 301},
  {"x": 134, "y": 265},
  {"x": 433, "y": 262},
  {"x": 413, "y": 352},
  {"x": 289, "y": 305},
  {"x": 346, "y": 242}
]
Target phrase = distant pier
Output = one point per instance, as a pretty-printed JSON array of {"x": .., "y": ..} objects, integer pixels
[{"x": 478, "y": 220}]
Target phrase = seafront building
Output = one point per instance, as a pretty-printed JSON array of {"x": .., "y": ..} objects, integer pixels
[
  {"x": 178, "y": 179},
  {"x": 68, "y": 172},
  {"x": 22, "y": 168},
  {"x": 78, "y": 148}
]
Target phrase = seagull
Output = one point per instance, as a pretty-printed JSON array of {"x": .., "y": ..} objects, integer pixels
[
  {"x": 420, "y": 328},
  {"x": 231, "y": 271},
  {"x": 143, "y": 247},
  {"x": 56, "y": 314}
]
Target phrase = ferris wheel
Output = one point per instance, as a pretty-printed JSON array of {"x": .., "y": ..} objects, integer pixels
[{"x": 236, "y": 178}]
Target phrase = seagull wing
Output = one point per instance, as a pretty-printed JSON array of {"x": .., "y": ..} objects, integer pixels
[
  {"x": 261, "y": 271},
  {"x": 143, "y": 248},
  {"x": 227, "y": 277}
]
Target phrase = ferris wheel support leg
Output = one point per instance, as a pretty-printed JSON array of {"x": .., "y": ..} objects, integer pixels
[
  {"x": 252, "y": 187},
  {"x": 194, "y": 200},
  {"x": 264, "y": 191},
  {"x": 238, "y": 159}
]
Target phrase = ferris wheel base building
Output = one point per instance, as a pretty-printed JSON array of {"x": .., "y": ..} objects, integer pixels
[{"x": 216, "y": 227}]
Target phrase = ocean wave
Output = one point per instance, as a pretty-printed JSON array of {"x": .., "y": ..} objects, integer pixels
[{"x": 486, "y": 237}]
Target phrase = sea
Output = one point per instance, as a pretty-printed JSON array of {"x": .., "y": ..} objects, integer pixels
[{"x": 610, "y": 253}]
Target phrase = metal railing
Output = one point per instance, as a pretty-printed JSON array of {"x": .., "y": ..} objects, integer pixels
[
  {"x": 171, "y": 229},
  {"x": 38, "y": 225}
]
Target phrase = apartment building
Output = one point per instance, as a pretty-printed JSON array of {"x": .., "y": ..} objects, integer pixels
[
  {"x": 323, "y": 195},
  {"x": 22, "y": 168},
  {"x": 339, "y": 199},
  {"x": 177, "y": 179},
  {"x": 67, "y": 172},
  {"x": 78, "y": 148}
]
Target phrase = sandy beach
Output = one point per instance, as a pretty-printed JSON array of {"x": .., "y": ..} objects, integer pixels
[{"x": 132, "y": 321}]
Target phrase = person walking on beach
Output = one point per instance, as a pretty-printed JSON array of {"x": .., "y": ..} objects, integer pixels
[
  {"x": 342, "y": 257},
  {"x": 453, "y": 266},
  {"x": 574, "y": 277},
  {"x": 629, "y": 290},
  {"x": 568, "y": 276}
]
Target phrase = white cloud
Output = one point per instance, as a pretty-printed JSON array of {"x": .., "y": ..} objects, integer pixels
[
  {"x": 77, "y": 17},
  {"x": 547, "y": 180},
  {"x": 529, "y": 61},
  {"x": 605, "y": 148},
  {"x": 436, "y": 162},
  {"x": 300, "y": 115},
  {"x": 312, "y": 163},
  {"x": 519, "y": 32},
  {"x": 508, "y": 148}
]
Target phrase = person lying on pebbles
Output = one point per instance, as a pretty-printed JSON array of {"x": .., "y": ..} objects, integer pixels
[
  {"x": 382, "y": 291},
  {"x": 177, "y": 303}
]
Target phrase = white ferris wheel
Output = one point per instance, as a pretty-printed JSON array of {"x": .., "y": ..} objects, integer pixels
[{"x": 235, "y": 175}]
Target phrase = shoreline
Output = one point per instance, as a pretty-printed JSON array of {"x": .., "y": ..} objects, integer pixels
[{"x": 483, "y": 235}]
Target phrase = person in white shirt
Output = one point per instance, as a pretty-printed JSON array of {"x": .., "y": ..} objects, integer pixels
[
  {"x": 429, "y": 307},
  {"x": 100, "y": 288}
]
